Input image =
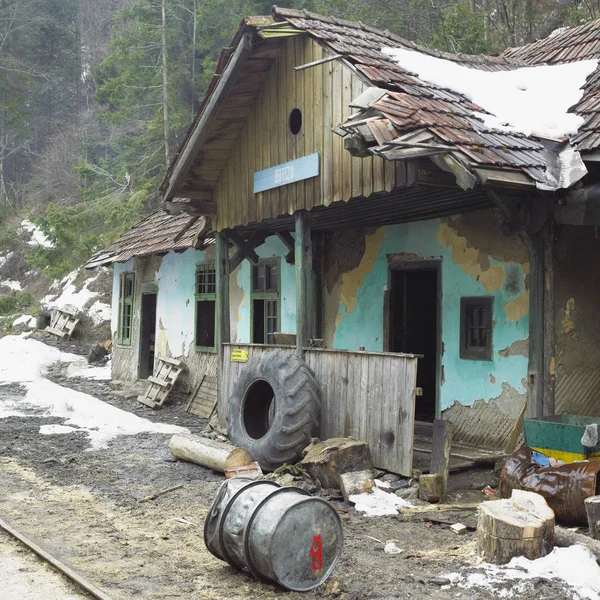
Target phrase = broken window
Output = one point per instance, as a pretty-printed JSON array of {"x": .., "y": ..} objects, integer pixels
[
  {"x": 125, "y": 308},
  {"x": 476, "y": 315},
  {"x": 206, "y": 301},
  {"x": 265, "y": 301}
]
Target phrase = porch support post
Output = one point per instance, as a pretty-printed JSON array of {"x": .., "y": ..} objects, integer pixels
[
  {"x": 535, "y": 372},
  {"x": 223, "y": 319},
  {"x": 305, "y": 296},
  {"x": 548, "y": 400}
]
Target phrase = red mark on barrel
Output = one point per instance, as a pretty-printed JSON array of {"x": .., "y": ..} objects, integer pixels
[{"x": 316, "y": 551}]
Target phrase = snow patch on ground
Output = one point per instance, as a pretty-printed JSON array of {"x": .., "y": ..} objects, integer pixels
[
  {"x": 84, "y": 370},
  {"x": 378, "y": 503},
  {"x": 26, "y": 320},
  {"x": 5, "y": 258},
  {"x": 576, "y": 566},
  {"x": 65, "y": 293},
  {"x": 530, "y": 100},
  {"x": 99, "y": 312},
  {"x": 26, "y": 361},
  {"x": 13, "y": 285},
  {"x": 37, "y": 236}
]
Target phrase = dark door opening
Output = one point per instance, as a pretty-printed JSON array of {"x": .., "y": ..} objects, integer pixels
[
  {"x": 414, "y": 310},
  {"x": 147, "y": 335}
]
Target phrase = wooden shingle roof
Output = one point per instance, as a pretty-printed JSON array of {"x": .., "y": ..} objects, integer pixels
[{"x": 158, "y": 233}]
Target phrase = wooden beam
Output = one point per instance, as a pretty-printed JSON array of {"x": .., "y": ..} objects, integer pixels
[
  {"x": 223, "y": 319},
  {"x": 305, "y": 308},
  {"x": 290, "y": 244},
  {"x": 204, "y": 195},
  {"x": 194, "y": 207},
  {"x": 186, "y": 228},
  {"x": 200, "y": 127},
  {"x": 246, "y": 248}
]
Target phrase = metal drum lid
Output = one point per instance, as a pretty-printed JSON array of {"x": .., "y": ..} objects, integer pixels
[{"x": 294, "y": 539}]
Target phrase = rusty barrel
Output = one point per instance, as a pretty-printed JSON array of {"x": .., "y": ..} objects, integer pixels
[{"x": 282, "y": 534}]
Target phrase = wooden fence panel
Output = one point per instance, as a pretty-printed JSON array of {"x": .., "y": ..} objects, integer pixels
[{"x": 366, "y": 395}]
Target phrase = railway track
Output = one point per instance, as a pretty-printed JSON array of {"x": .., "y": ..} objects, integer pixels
[{"x": 78, "y": 579}]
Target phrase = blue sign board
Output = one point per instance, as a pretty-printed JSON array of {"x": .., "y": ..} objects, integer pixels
[{"x": 289, "y": 172}]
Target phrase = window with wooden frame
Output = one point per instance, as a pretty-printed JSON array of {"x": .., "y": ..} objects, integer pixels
[
  {"x": 265, "y": 301},
  {"x": 125, "y": 308},
  {"x": 476, "y": 327},
  {"x": 206, "y": 307}
]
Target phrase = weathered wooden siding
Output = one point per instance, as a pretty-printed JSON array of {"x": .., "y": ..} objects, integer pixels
[
  {"x": 322, "y": 93},
  {"x": 367, "y": 395}
]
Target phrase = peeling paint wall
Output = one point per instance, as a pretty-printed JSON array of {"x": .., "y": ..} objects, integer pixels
[
  {"x": 477, "y": 260},
  {"x": 174, "y": 276},
  {"x": 241, "y": 288},
  {"x": 577, "y": 319}
]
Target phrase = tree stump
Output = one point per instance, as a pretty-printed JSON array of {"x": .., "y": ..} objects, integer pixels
[
  {"x": 592, "y": 508},
  {"x": 522, "y": 525}
]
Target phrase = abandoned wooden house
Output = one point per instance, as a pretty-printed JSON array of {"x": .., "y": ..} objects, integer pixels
[{"x": 329, "y": 202}]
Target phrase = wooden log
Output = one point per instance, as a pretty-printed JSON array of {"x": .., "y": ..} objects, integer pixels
[
  {"x": 208, "y": 453},
  {"x": 592, "y": 508},
  {"x": 431, "y": 487},
  {"x": 522, "y": 525},
  {"x": 565, "y": 538}
]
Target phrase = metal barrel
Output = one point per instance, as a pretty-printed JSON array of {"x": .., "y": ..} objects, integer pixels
[
  {"x": 212, "y": 524},
  {"x": 294, "y": 539},
  {"x": 282, "y": 534},
  {"x": 235, "y": 518}
]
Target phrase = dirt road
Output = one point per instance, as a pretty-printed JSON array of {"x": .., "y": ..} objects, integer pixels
[{"x": 83, "y": 506}]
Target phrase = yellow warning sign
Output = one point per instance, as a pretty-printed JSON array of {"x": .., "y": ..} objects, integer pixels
[{"x": 239, "y": 355}]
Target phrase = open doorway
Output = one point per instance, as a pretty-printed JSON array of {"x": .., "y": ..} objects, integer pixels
[
  {"x": 414, "y": 317},
  {"x": 147, "y": 335}
]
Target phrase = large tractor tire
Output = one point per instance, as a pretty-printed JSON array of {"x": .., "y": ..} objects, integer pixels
[{"x": 274, "y": 409}]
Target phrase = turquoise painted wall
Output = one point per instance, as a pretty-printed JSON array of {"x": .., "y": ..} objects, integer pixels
[
  {"x": 175, "y": 304},
  {"x": 272, "y": 248},
  {"x": 465, "y": 381}
]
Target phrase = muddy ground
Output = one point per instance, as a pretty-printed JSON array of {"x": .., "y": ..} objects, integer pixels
[{"x": 84, "y": 507}]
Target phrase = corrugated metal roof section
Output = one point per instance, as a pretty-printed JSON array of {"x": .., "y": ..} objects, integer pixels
[{"x": 154, "y": 235}]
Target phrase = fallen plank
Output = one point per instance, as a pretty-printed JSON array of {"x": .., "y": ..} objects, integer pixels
[
  {"x": 439, "y": 508},
  {"x": 564, "y": 538},
  {"x": 161, "y": 493},
  {"x": 57, "y": 564}
]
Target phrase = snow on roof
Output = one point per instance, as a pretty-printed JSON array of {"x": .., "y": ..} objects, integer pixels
[{"x": 530, "y": 100}]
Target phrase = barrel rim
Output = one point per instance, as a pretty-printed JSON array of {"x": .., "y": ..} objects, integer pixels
[
  {"x": 210, "y": 510},
  {"x": 257, "y": 508},
  {"x": 226, "y": 557},
  {"x": 309, "y": 498},
  {"x": 335, "y": 561}
]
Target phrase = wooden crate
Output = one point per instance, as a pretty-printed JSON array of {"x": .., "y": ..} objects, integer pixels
[{"x": 167, "y": 371}]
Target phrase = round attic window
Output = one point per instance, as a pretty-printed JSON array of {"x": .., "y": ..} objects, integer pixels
[{"x": 295, "y": 121}]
